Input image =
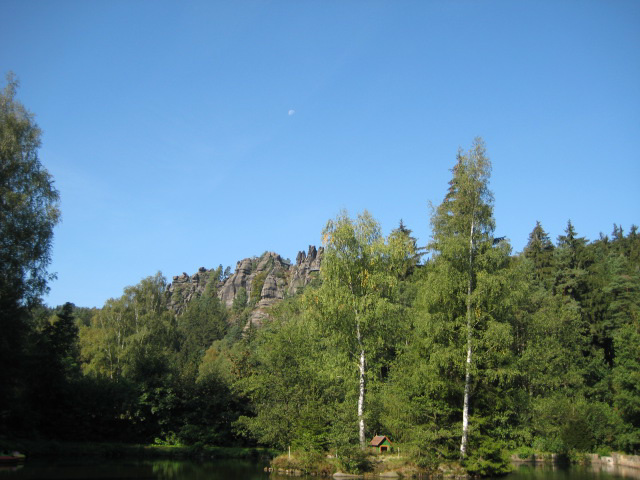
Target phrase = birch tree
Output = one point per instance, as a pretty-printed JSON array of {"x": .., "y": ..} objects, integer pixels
[
  {"x": 129, "y": 331},
  {"x": 356, "y": 304},
  {"x": 462, "y": 229}
]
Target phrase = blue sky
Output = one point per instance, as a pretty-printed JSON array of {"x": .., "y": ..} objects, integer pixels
[{"x": 188, "y": 134}]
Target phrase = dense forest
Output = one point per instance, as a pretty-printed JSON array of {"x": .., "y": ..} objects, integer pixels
[{"x": 459, "y": 349}]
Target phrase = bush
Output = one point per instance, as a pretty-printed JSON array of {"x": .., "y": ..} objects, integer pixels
[
  {"x": 489, "y": 459},
  {"x": 354, "y": 460},
  {"x": 169, "y": 440},
  {"x": 426, "y": 462},
  {"x": 524, "y": 453}
]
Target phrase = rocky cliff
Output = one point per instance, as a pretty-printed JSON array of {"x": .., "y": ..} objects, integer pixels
[{"x": 265, "y": 280}]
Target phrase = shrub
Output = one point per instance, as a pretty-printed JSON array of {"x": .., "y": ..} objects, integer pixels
[
  {"x": 426, "y": 462},
  {"x": 489, "y": 459},
  {"x": 354, "y": 460},
  {"x": 524, "y": 452}
]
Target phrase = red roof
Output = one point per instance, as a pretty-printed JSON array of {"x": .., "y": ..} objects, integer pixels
[{"x": 378, "y": 440}]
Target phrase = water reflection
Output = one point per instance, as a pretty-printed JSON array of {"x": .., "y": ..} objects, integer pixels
[
  {"x": 214, "y": 470},
  {"x": 575, "y": 472},
  {"x": 94, "y": 469}
]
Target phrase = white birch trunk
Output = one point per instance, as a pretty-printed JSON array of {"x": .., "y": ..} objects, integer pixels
[
  {"x": 465, "y": 408},
  {"x": 362, "y": 366},
  {"x": 467, "y": 376}
]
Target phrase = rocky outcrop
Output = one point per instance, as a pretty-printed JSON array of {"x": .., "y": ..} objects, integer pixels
[
  {"x": 266, "y": 280},
  {"x": 184, "y": 287},
  {"x": 307, "y": 265}
]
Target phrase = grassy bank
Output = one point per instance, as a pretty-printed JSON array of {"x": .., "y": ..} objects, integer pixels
[{"x": 356, "y": 462}]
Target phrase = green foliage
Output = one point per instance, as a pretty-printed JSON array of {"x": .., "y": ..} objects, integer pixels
[
  {"x": 571, "y": 264},
  {"x": 176, "y": 296},
  {"x": 625, "y": 314},
  {"x": 131, "y": 334},
  {"x": 62, "y": 339},
  {"x": 29, "y": 211},
  {"x": 357, "y": 303},
  {"x": 203, "y": 322},
  {"x": 525, "y": 453},
  {"x": 552, "y": 337},
  {"x": 425, "y": 460},
  {"x": 169, "y": 440},
  {"x": 463, "y": 328},
  {"x": 256, "y": 287},
  {"x": 489, "y": 459},
  {"x": 30, "y": 204},
  {"x": 309, "y": 462},
  {"x": 240, "y": 300},
  {"x": 539, "y": 250},
  {"x": 291, "y": 395},
  {"x": 466, "y": 263},
  {"x": 354, "y": 461}
]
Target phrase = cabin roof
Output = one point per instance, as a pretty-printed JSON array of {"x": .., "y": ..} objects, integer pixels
[{"x": 378, "y": 440}]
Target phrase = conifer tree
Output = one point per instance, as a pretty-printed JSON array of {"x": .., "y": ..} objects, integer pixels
[
  {"x": 624, "y": 311},
  {"x": 571, "y": 266},
  {"x": 539, "y": 250}
]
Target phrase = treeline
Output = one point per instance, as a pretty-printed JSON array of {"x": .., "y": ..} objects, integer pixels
[
  {"x": 463, "y": 353},
  {"x": 538, "y": 350},
  {"x": 556, "y": 360},
  {"x": 130, "y": 371}
]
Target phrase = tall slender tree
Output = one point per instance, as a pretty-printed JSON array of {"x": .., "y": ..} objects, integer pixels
[{"x": 462, "y": 228}]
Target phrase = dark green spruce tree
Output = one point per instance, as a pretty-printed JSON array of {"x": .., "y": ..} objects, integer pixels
[{"x": 539, "y": 251}]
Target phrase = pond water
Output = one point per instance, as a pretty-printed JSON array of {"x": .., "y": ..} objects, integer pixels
[
  {"x": 244, "y": 470},
  {"x": 135, "y": 470},
  {"x": 574, "y": 472}
]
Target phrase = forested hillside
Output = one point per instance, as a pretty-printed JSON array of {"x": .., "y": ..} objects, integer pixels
[{"x": 462, "y": 349}]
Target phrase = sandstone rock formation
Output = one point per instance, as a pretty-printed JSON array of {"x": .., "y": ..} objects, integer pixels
[
  {"x": 266, "y": 280},
  {"x": 307, "y": 265}
]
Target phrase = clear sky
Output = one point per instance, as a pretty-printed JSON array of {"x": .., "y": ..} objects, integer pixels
[{"x": 188, "y": 134}]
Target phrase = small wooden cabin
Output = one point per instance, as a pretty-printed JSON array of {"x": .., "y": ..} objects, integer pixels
[{"x": 381, "y": 443}]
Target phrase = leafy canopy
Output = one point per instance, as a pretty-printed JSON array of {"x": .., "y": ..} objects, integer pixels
[{"x": 28, "y": 203}]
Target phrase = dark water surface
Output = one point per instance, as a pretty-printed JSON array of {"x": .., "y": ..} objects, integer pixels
[
  {"x": 573, "y": 472},
  {"x": 245, "y": 470},
  {"x": 135, "y": 470}
]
